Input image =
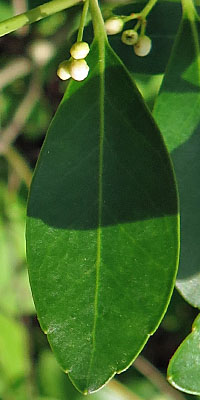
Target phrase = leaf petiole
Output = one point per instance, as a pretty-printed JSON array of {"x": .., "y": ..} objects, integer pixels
[
  {"x": 141, "y": 16},
  {"x": 82, "y": 21},
  {"x": 98, "y": 22},
  {"x": 146, "y": 10}
]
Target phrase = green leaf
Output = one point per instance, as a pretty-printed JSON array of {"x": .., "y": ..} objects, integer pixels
[
  {"x": 101, "y": 225},
  {"x": 183, "y": 370},
  {"x": 177, "y": 114}
]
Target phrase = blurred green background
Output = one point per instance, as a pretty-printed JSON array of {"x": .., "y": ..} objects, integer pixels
[{"x": 29, "y": 95}]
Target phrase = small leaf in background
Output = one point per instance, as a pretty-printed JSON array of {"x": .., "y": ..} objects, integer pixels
[
  {"x": 102, "y": 225},
  {"x": 38, "y": 120},
  {"x": 11, "y": 95},
  {"x": 183, "y": 370},
  {"x": 177, "y": 114}
]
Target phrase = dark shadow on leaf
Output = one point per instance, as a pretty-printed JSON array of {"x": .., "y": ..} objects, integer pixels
[
  {"x": 137, "y": 181},
  {"x": 177, "y": 113},
  {"x": 186, "y": 159},
  {"x": 185, "y": 75}
]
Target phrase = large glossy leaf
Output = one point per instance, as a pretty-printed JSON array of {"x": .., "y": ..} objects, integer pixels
[
  {"x": 102, "y": 225},
  {"x": 177, "y": 114},
  {"x": 61, "y": 388},
  {"x": 183, "y": 370}
]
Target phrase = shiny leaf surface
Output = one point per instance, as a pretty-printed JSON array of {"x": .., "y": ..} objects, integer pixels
[
  {"x": 102, "y": 225},
  {"x": 183, "y": 370}
]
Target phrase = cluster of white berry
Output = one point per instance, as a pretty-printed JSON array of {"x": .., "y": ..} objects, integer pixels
[
  {"x": 141, "y": 43},
  {"x": 76, "y": 67}
]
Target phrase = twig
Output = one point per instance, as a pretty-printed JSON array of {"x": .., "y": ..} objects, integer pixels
[
  {"x": 154, "y": 376},
  {"x": 36, "y": 14},
  {"x": 122, "y": 390}
]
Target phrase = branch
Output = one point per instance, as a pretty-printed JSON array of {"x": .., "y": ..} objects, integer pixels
[
  {"x": 36, "y": 14},
  {"x": 154, "y": 376}
]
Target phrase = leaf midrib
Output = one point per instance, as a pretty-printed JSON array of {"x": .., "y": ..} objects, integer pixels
[{"x": 101, "y": 63}]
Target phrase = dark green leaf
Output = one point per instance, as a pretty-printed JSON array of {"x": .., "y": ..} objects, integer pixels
[
  {"x": 177, "y": 114},
  {"x": 101, "y": 225},
  {"x": 183, "y": 370}
]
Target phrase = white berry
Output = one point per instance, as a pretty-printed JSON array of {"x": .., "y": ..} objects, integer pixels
[
  {"x": 63, "y": 70},
  {"x": 143, "y": 46},
  {"x": 79, "y": 50},
  {"x": 129, "y": 37},
  {"x": 79, "y": 70},
  {"x": 113, "y": 25}
]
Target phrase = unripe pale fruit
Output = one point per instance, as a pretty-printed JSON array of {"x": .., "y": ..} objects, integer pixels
[
  {"x": 113, "y": 25},
  {"x": 63, "y": 70},
  {"x": 129, "y": 37},
  {"x": 78, "y": 70},
  {"x": 143, "y": 46},
  {"x": 79, "y": 50}
]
